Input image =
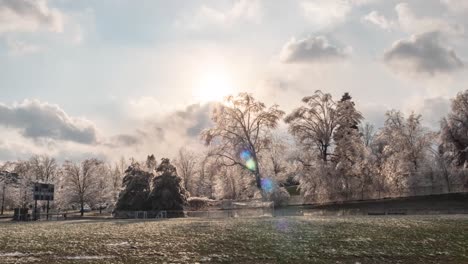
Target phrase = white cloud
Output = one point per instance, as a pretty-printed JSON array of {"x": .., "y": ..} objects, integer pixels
[
  {"x": 411, "y": 23},
  {"x": 329, "y": 13},
  {"x": 17, "y": 47},
  {"x": 326, "y": 13},
  {"x": 431, "y": 109},
  {"x": 311, "y": 50},
  {"x": 376, "y": 18},
  {"x": 29, "y": 16},
  {"x": 205, "y": 16},
  {"x": 423, "y": 53},
  {"x": 457, "y": 6}
]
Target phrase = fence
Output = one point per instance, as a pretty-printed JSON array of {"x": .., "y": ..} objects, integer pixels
[
  {"x": 25, "y": 215},
  {"x": 375, "y": 194}
]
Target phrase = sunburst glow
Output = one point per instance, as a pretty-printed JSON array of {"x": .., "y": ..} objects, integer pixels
[{"x": 213, "y": 85}]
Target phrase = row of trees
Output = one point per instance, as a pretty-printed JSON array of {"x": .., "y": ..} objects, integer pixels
[
  {"x": 337, "y": 157},
  {"x": 329, "y": 153},
  {"x": 90, "y": 182}
]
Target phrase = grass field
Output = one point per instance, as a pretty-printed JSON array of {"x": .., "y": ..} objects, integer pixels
[{"x": 360, "y": 239}]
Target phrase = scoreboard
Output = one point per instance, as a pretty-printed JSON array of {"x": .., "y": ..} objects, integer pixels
[{"x": 43, "y": 191}]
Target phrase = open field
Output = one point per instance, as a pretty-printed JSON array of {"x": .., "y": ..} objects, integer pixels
[{"x": 358, "y": 239}]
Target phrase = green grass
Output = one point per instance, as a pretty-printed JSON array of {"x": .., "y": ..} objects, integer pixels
[{"x": 360, "y": 239}]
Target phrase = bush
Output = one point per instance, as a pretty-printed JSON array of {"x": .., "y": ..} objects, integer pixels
[{"x": 198, "y": 203}]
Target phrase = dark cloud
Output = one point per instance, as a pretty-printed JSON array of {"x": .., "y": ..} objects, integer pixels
[
  {"x": 170, "y": 131},
  {"x": 39, "y": 120},
  {"x": 310, "y": 50},
  {"x": 126, "y": 140},
  {"x": 423, "y": 53}
]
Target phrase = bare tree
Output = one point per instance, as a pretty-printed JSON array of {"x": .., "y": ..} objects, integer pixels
[
  {"x": 27, "y": 176},
  {"x": 7, "y": 179},
  {"x": 186, "y": 163},
  {"x": 454, "y": 130},
  {"x": 81, "y": 180},
  {"x": 240, "y": 134},
  {"x": 313, "y": 124},
  {"x": 43, "y": 167},
  {"x": 368, "y": 134}
]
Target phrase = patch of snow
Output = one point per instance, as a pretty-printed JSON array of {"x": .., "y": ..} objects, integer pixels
[
  {"x": 118, "y": 244},
  {"x": 88, "y": 257},
  {"x": 14, "y": 254}
]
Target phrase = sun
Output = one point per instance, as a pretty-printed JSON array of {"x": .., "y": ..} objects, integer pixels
[{"x": 213, "y": 85}]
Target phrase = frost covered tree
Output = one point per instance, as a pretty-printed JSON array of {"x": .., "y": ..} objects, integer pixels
[
  {"x": 135, "y": 189},
  {"x": 278, "y": 161},
  {"x": 349, "y": 150},
  {"x": 207, "y": 171},
  {"x": 313, "y": 124},
  {"x": 241, "y": 132},
  {"x": 81, "y": 180},
  {"x": 186, "y": 164},
  {"x": 24, "y": 195},
  {"x": 405, "y": 147},
  {"x": 454, "y": 130},
  {"x": 7, "y": 179},
  {"x": 168, "y": 193},
  {"x": 235, "y": 183},
  {"x": 44, "y": 168},
  {"x": 368, "y": 134}
]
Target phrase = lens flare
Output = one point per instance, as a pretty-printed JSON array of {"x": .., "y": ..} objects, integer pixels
[
  {"x": 282, "y": 225},
  {"x": 245, "y": 155},
  {"x": 250, "y": 164},
  {"x": 267, "y": 185}
]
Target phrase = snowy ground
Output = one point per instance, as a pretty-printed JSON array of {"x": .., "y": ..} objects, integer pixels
[{"x": 360, "y": 239}]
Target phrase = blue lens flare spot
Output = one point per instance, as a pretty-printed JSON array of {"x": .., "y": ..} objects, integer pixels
[
  {"x": 267, "y": 185},
  {"x": 282, "y": 225},
  {"x": 245, "y": 155}
]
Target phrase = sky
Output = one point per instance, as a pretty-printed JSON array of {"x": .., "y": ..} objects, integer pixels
[{"x": 112, "y": 78}]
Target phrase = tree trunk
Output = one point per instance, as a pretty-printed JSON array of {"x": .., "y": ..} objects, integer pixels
[
  {"x": 324, "y": 153},
  {"x": 82, "y": 208},
  {"x": 3, "y": 198}
]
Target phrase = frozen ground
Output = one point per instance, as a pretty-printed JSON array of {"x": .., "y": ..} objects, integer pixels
[{"x": 359, "y": 239}]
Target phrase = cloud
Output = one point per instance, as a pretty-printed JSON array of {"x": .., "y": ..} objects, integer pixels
[
  {"x": 34, "y": 127},
  {"x": 411, "y": 23},
  {"x": 205, "y": 16},
  {"x": 17, "y": 47},
  {"x": 325, "y": 13},
  {"x": 165, "y": 134},
  {"x": 311, "y": 50},
  {"x": 39, "y": 120},
  {"x": 329, "y": 13},
  {"x": 376, "y": 18},
  {"x": 29, "y": 16},
  {"x": 432, "y": 110},
  {"x": 456, "y": 6},
  {"x": 423, "y": 53}
]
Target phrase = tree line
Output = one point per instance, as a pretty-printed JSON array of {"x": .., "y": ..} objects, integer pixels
[{"x": 328, "y": 154}]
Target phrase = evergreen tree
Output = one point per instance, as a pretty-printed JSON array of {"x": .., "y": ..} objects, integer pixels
[
  {"x": 168, "y": 192},
  {"x": 349, "y": 147},
  {"x": 136, "y": 188}
]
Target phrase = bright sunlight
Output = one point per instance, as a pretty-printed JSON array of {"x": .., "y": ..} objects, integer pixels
[{"x": 213, "y": 85}]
